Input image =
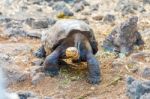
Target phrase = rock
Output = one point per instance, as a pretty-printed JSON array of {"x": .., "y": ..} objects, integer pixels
[
  {"x": 97, "y": 17},
  {"x": 84, "y": 2},
  {"x": 141, "y": 9},
  {"x": 78, "y": 7},
  {"x": 84, "y": 19},
  {"x": 51, "y": 21},
  {"x": 70, "y": 1},
  {"x": 146, "y": 72},
  {"x": 109, "y": 18},
  {"x": 27, "y": 95},
  {"x": 29, "y": 21},
  {"x": 38, "y": 2},
  {"x": 38, "y": 62},
  {"x": 35, "y": 69},
  {"x": 141, "y": 56},
  {"x": 117, "y": 63},
  {"x": 146, "y": 1},
  {"x": 14, "y": 28},
  {"x": 39, "y": 9},
  {"x": 146, "y": 34},
  {"x": 145, "y": 96},
  {"x": 124, "y": 37},
  {"x": 133, "y": 66},
  {"x": 60, "y": 7},
  {"x": 127, "y": 6},
  {"x": 39, "y": 24},
  {"x": 4, "y": 20},
  {"x": 86, "y": 12},
  {"x": 14, "y": 32},
  {"x": 4, "y": 57},
  {"x": 47, "y": 97},
  {"x": 37, "y": 78},
  {"x": 34, "y": 34},
  {"x": 136, "y": 89},
  {"x": 50, "y": 2},
  {"x": 14, "y": 75},
  {"x": 94, "y": 7}
]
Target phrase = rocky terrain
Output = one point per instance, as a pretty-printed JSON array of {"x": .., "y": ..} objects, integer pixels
[{"x": 22, "y": 23}]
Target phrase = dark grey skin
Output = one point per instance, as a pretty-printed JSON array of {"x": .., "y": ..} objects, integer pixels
[{"x": 81, "y": 42}]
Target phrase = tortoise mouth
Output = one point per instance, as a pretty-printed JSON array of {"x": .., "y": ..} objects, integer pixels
[{"x": 72, "y": 52}]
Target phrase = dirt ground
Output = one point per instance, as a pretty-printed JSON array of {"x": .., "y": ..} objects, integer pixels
[{"x": 71, "y": 83}]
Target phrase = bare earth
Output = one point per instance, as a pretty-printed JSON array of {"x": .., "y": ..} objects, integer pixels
[{"x": 71, "y": 83}]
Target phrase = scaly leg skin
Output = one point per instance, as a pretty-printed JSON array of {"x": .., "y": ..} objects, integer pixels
[
  {"x": 93, "y": 68},
  {"x": 40, "y": 53},
  {"x": 51, "y": 63},
  {"x": 92, "y": 63}
]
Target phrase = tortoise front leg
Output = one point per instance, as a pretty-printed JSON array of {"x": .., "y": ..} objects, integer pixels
[
  {"x": 51, "y": 63},
  {"x": 40, "y": 53},
  {"x": 93, "y": 68}
]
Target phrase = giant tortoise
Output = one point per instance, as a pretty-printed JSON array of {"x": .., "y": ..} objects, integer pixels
[{"x": 67, "y": 38}]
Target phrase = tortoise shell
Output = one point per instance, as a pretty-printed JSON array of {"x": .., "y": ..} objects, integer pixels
[{"x": 62, "y": 29}]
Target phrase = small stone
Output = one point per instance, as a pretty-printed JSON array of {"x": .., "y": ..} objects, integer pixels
[
  {"x": 109, "y": 18},
  {"x": 145, "y": 96},
  {"x": 37, "y": 78},
  {"x": 5, "y": 20},
  {"x": 141, "y": 56},
  {"x": 33, "y": 34},
  {"x": 137, "y": 89},
  {"x": 94, "y": 7},
  {"x": 92, "y": 88},
  {"x": 84, "y": 2},
  {"x": 10, "y": 32},
  {"x": 97, "y": 17},
  {"x": 51, "y": 21},
  {"x": 117, "y": 63},
  {"x": 61, "y": 7},
  {"x": 146, "y": 72},
  {"x": 26, "y": 95},
  {"x": 29, "y": 21},
  {"x": 36, "y": 24},
  {"x": 86, "y": 12},
  {"x": 14, "y": 75},
  {"x": 146, "y": 1},
  {"x": 39, "y": 24},
  {"x": 4, "y": 57},
  {"x": 141, "y": 9},
  {"x": 36, "y": 69},
  {"x": 38, "y": 62},
  {"x": 39, "y": 10},
  {"x": 47, "y": 97},
  {"x": 124, "y": 6},
  {"x": 78, "y": 7}
]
